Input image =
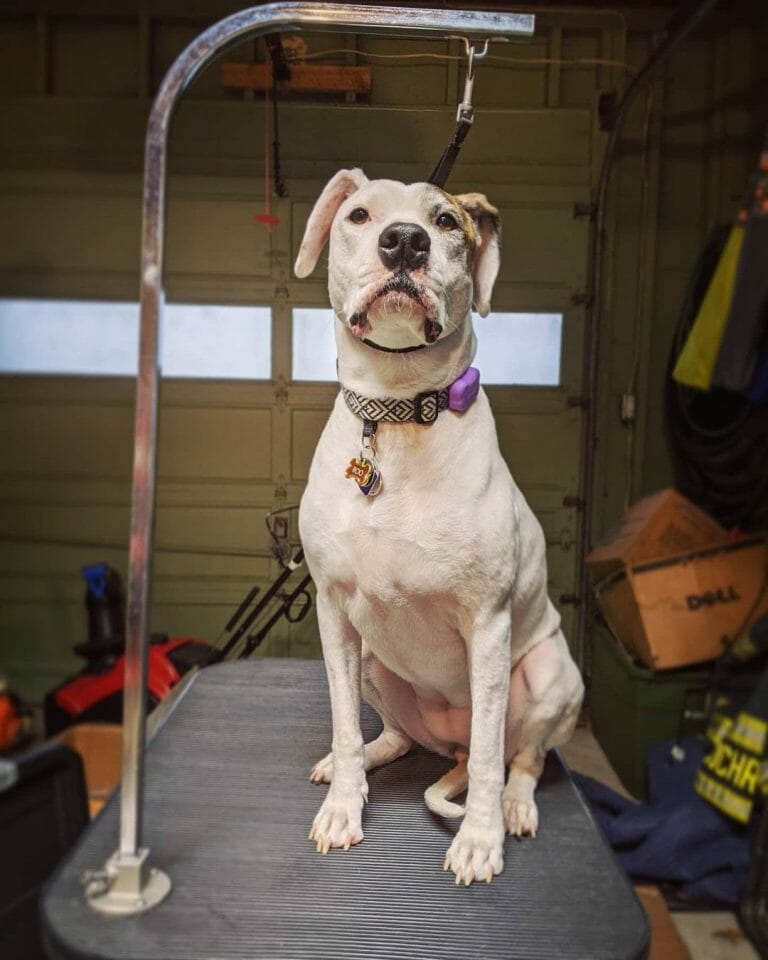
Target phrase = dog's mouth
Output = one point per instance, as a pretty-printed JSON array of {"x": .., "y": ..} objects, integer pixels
[
  {"x": 399, "y": 294},
  {"x": 400, "y": 283}
]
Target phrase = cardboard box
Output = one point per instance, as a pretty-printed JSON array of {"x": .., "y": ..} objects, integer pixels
[
  {"x": 685, "y": 609},
  {"x": 100, "y": 745},
  {"x": 661, "y": 525}
]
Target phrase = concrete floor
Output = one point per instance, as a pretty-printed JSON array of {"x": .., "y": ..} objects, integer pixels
[{"x": 709, "y": 935}]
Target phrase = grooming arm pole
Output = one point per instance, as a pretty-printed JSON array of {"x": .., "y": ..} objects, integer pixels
[{"x": 127, "y": 884}]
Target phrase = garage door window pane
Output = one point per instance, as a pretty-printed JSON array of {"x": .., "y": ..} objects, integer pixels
[
  {"x": 314, "y": 345},
  {"x": 513, "y": 348},
  {"x": 221, "y": 342},
  {"x": 101, "y": 339},
  {"x": 519, "y": 348}
]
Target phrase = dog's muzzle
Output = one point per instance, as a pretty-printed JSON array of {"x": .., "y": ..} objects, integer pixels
[{"x": 403, "y": 284}]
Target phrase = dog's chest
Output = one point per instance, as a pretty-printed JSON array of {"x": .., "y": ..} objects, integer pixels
[
  {"x": 395, "y": 549},
  {"x": 398, "y": 580},
  {"x": 434, "y": 528}
]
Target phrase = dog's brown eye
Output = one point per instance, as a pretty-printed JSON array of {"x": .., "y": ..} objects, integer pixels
[
  {"x": 359, "y": 215},
  {"x": 446, "y": 221}
]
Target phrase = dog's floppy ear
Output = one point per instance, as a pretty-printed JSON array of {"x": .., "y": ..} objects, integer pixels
[
  {"x": 339, "y": 187},
  {"x": 487, "y": 254}
]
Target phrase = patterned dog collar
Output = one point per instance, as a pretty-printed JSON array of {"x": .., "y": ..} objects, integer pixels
[{"x": 423, "y": 408}]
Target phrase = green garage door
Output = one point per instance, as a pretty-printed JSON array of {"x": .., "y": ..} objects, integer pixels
[{"x": 233, "y": 450}]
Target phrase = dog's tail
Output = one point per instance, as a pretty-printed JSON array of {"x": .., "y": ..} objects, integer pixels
[{"x": 438, "y": 797}]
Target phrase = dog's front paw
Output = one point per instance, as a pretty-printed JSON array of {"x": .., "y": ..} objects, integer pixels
[
  {"x": 339, "y": 820},
  {"x": 521, "y": 817},
  {"x": 520, "y": 812},
  {"x": 322, "y": 772},
  {"x": 477, "y": 851}
]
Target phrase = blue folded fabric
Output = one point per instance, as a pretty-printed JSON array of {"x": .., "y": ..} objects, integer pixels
[{"x": 677, "y": 837}]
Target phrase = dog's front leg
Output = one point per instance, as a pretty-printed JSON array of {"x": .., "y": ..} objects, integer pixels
[
  {"x": 477, "y": 851},
  {"x": 339, "y": 820}
]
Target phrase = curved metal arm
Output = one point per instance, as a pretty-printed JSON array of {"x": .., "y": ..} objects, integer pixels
[{"x": 269, "y": 18}]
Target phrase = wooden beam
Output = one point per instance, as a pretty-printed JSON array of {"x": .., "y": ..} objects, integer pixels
[{"x": 317, "y": 79}]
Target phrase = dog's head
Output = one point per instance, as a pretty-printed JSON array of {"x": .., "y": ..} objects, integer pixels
[{"x": 406, "y": 261}]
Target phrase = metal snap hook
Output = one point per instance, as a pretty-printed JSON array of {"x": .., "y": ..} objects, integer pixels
[
  {"x": 470, "y": 62},
  {"x": 465, "y": 109}
]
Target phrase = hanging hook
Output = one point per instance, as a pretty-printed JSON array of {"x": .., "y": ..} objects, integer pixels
[
  {"x": 471, "y": 48},
  {"x": 466, "y": 109}
]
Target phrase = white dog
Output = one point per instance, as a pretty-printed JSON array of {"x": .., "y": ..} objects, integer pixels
[{"x": 429, "y": 564}]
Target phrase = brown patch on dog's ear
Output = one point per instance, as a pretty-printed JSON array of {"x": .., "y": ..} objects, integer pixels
[
  {"x": 485, "y": 267},
  {"x": 480, "y": 208},
  {"x": 318, "y": 228}
]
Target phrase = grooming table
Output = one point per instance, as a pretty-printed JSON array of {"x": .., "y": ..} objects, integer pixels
[{"x": 228, "y": 806}]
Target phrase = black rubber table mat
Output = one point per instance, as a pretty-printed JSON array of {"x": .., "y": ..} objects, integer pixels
[{"x": 228, "y": 808}]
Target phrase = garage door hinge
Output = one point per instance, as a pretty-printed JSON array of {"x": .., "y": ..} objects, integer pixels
[
  {"x": 574, "y": 501},
  {"x": 581, "y": 299},
  {"x": 572, "y": 599},
  {"x": 584, "y": 211}
]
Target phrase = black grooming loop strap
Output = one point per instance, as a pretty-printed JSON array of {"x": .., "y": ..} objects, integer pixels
[{"x": 464, "y": 117}]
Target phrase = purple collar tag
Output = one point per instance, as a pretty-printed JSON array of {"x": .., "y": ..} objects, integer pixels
[{"x": 462, "y": 393}]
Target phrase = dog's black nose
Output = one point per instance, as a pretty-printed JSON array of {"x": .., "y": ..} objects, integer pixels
[{"x": 404, "y": 245}]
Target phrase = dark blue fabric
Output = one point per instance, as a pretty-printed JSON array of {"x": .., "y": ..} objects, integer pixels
[{"x": 677, "y": 836}]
